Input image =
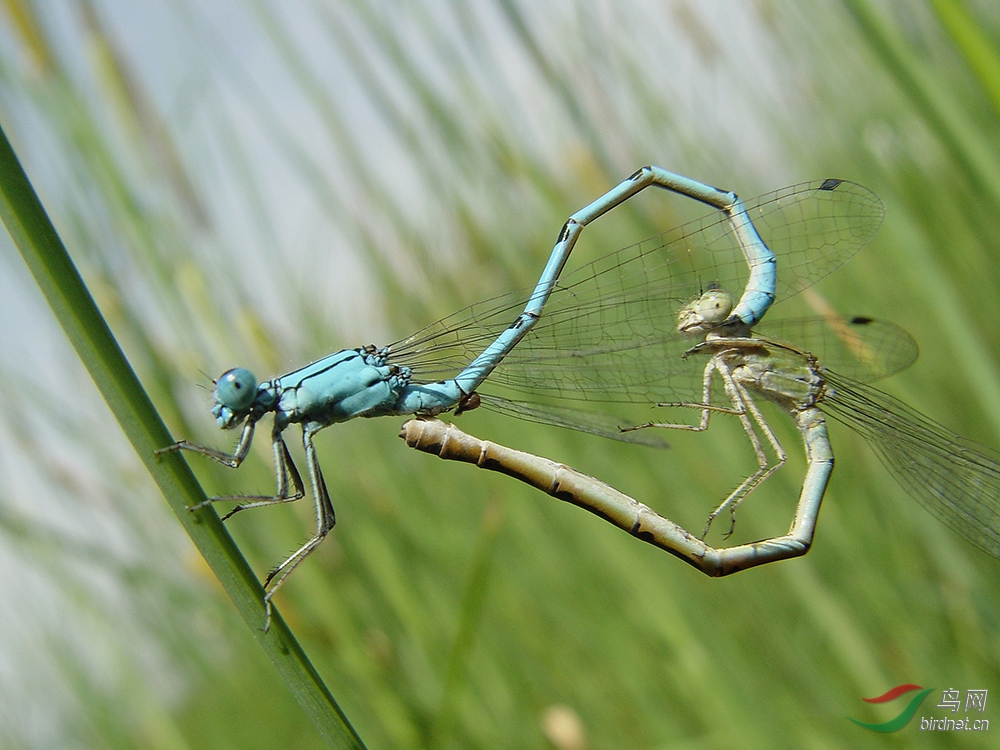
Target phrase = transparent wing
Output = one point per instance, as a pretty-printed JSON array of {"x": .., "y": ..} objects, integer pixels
[
  {"x": 858, "y": 347},
  {"x": 657, "y": 369},
  {"x": 956, "y": 480}
]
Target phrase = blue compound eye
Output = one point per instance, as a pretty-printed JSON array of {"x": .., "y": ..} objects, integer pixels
[{"x": 236, "y": 390}]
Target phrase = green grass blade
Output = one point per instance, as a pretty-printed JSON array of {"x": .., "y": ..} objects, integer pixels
[
  {"x": 973, "y": 151},
  {"x": 53, "y": 270},
  {"x": 973, "y": 43}
]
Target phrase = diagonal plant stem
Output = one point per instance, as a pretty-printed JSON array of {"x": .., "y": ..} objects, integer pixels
[{"x": 46, "y": 257}]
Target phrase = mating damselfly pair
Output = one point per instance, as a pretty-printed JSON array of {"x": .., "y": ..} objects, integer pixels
[{"x": 652, "y": 323}]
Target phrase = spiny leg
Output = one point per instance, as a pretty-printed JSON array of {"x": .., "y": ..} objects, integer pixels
[
  {"x": 285, "y": 472},
  {"x": 738, "y": 398},
  {"x": 232, "y": 460},
  {"x": 737, "y": 496},
  {"x": 325, "y": 521},
  {"x": 705, "y": 407},
  {"x": 772, "y": 439},
  {"x": 744, "y": 408},
  {"x": 285, "y": 469},
  {"x": 286, "y": 476}
]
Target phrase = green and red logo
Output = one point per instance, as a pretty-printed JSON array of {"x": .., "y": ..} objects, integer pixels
[{"x": 904, "y": 716}]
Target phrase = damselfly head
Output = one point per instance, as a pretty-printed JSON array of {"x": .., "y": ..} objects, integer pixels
[
  {"x": 235, "y": 392},
  {"x": 705, "y": 312}
]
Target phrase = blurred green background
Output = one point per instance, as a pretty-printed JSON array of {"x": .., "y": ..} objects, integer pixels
[{"x": 263, "y": 183}]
